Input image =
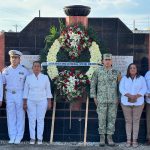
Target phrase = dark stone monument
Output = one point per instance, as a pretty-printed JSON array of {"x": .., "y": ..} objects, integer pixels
[{"x": 116, "y": 37}]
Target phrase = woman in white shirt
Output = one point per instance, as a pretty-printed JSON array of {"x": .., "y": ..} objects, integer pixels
[
  {"x": 37, "y": 97},
  {"x": 1, "y": 89},
  {"x": 132, "y": 88},
  {"x": 147, "y": 78}
]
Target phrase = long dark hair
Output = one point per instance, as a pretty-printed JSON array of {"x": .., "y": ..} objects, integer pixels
[{"x": 128, "y": 71}]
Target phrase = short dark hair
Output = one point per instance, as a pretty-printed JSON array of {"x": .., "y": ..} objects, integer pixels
[
  {"x": 36, "y": 62},
  {"x": 128, "y": 71}
]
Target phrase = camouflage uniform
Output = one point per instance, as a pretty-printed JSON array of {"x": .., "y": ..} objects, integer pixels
[{"x": 104, "y": 87}]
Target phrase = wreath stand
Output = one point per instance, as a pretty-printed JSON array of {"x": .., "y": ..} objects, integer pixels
[{"x": 53, "y": 120}]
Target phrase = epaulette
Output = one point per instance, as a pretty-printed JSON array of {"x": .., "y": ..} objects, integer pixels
[{"x": 24, "y": 66}]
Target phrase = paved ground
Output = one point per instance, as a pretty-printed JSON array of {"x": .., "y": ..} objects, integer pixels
[{"x": 66, "y": 146}]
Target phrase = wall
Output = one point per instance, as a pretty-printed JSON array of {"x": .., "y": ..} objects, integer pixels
[
  {"x": 117, "y": 38},
  {"x": 2, "y": 48}
]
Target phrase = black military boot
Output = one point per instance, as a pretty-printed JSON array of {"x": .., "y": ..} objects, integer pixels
[
  {"x": 110, "y": 140},
  {"x": 102, "y": 140}
]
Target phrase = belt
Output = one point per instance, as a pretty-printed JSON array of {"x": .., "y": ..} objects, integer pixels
[{"x": 13, "y": 91}]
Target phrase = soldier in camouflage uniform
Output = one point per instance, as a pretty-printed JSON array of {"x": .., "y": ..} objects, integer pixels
[{"x": 104, "y": 90}]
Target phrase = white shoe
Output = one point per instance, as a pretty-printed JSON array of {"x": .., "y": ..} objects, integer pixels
[
  {"x": 11, "y": 141},
  {"x": 32, "y": 141},
  {"x": 39, "y": 142},
  {"x": 17, "y": 141}
]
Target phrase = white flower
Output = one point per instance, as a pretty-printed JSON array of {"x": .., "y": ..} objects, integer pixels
[
  {"x": 73, "y": 44},
  {"x": 72, "y": 80},
  {"x": 51, "y": 57},
  {"x": 81, "y": 75},
  {"x": 95, "y": 58},
  {"x": 74, "y": 36}
]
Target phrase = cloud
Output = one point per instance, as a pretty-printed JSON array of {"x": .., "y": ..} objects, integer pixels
[
  {"x": 23, "y": 11},
  {"x": 113, "y": 4},
  {"x": 124, "y": 3}
]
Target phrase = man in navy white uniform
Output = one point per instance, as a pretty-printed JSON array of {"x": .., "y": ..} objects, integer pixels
[
  {"x": 13, "y": 79},
  {"x": 147, "y": 78},
  {"x": 1, "y": 90}
]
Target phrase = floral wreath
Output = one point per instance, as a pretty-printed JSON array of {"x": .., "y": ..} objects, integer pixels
[{"x": 74, "y": 41}]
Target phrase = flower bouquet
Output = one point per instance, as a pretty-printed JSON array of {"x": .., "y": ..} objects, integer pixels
[
  {"x": 74, "y": 39},
  {"x": 71, "y": 84}
]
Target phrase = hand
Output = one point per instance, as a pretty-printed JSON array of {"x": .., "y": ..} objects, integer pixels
[
  {"x": 0, "y": 103},
  {"x": 117, "y": 102},
  {"x": 49, "y": 105},
  {"x": 25, "y": 105},
  {"x": 131, "y": 100},
  {"x": 148, "y": 95},
  {"x": 138, "y": 95},
  {"x": 128, "y": 95},
  {"x": 132, "y": 97},
  {"x": 95, "y": 100}
]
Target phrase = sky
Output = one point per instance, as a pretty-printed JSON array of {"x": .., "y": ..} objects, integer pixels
[{"x": 20, "y": 12}]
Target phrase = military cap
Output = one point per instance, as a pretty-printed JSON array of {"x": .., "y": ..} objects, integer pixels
[
  {"x": 107, "y": 56},
  {"x": 14, "y": 53}
]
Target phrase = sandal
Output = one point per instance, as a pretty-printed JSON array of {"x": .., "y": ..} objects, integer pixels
[
  {"x": 128, "y": 144},
  {"x": 135, "y": 144}
]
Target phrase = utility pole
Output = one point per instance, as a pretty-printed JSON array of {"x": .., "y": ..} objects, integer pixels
[
  {"x": 133, "y": 25},
  {"x": 39, "y": 13},
  {"x": 148, "y": 23},
  {"x": 16, "y": 27}
]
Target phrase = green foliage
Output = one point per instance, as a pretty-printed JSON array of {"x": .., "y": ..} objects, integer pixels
[
  {"x": 49, "y": 40},
  {"x": 62, "y": 25}
]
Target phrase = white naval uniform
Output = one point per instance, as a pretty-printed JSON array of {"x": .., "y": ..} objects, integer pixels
[
  {"x": 147, "y": 78},
  {"x": 14, "y": 80},
  {"x": 135, "y": 86},
  {"x": 1, "y": 87},
  {"x": 36, "y": 91}
]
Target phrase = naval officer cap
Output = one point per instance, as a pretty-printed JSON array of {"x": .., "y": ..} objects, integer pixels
[
  {"x": 107, "y": 56},
  {"x": 15, "y": 53}
]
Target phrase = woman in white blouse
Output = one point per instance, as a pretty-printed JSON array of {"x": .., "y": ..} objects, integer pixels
[
  {"x": 132, "y": 88},
  {"x": 37, "y": 98}
]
